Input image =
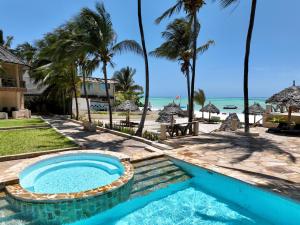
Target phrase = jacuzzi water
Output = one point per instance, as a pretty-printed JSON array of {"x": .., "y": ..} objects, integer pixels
[
  {"x": 71, "y": 173},
  {"x": 207, "y": 199}
]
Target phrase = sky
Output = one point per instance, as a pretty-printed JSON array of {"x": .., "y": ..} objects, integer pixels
[{"x": 275, "y": 50}]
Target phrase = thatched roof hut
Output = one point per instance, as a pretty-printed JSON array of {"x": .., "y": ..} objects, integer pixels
[
  {"x": 168, "y": 112},
  {"x": 172, "y": 109},
  {"x": 289, "y": 97},
  {"x": 128, "y": 105},
  {"x": 165, "y": 118},
  {"x": 256, "y": 109},
  {"x": 211, "y": 108}
]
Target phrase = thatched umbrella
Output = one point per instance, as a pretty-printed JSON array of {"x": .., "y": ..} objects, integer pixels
[
  {"x": 127, "y": 106},
  {"x": 210, "y": 108},
  {"x": 168, "y": 112},
  {"x": 256, "y": 109},
  {"x": 289, "y": 97}
]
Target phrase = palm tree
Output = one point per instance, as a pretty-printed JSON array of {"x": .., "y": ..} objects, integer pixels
[
  {"x": 200, "y": 99},
  {"x": 139, "y": 131},
  {"x": 191, "y": 8},
  {"x": 101, "y": 43},
  {"x": 226, "y": 3},
  {"x": 179, "y": 46},
  {"x": 125, "y": 80},
  {"x": 54, "y": 57},
  {"x": 5, "y": 43},
  {"x": 26, "y": 51}
]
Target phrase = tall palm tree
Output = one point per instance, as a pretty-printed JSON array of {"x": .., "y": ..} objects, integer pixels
[
  {"x": 125, "y": 80},
  {"x": 191, "y": 8},
  {"x": 100, "y": 42},
  {"x": 139, "y": 131},
  {"x": 226, "y": 3},
  {"x": 200, "y": 99},
  {"x": 26, "y": 51},
  {"x": 179, "y": 46}
]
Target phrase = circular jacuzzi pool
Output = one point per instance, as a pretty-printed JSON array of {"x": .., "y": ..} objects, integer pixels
[{"x": 71, "y": 173}]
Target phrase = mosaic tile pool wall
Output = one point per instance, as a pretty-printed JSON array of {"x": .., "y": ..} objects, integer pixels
[{"x": 59, "y": 212}]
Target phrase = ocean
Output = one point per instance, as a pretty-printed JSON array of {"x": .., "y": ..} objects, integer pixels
[{"x": 159, "y": 102}]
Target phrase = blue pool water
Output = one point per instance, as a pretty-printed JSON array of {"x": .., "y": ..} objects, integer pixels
[
  {"x": 71, "y": 173},
  {"x": 207, "y": 199}
]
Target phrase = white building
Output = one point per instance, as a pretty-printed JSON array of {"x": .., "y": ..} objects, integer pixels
[{"x": 96, "y": 94}]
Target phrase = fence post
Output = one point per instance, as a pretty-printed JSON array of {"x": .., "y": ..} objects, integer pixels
[
  {"x": 163, "y": 132},
  {"x": 196, "y": 128}
]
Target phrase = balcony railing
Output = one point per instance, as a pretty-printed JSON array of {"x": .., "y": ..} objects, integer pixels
[{"x": 4, "y": 82}]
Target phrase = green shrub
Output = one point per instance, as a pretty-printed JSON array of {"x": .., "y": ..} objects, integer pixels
[
  {"x": 215, "y": 119},
  {"x": 150, "y": 136}
]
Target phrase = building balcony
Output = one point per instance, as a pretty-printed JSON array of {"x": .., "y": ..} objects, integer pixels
[{"x": 11, "y": 83}]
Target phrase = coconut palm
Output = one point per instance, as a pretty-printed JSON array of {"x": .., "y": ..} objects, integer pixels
[
  {"x": 200, "y": 99},
  {"x": 179, "y": 46},
  {"x": 226, "y": 3},
  {"x": 191, "y": 8},
  {"x": 5, "y": 43},
  {"x": 26, "y": 51},
  {"x": 125, "y": 80},
  {"x": 100, "y": 42},
  {"x": 139, "y": 131}
]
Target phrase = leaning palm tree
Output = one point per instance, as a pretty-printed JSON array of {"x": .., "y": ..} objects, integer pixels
[
  {"x": 99, "y": 41},
  {"x": 139, "y": 131},
  {"x": 179, "y": 46},
  {"x": 5, "y": 43},
  {"x": 125, "y": 81},
  {"x": 200, "y": 99},
  {"x": 226, "y": 3},
  {"x": 26, "y": 51},
  {"x": 191, "y": 8}
]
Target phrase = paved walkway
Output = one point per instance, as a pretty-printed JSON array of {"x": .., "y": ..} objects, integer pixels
[{"x": 269, "y": 161}]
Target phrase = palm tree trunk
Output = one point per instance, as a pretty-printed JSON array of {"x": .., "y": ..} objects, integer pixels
[
  {"x": 246, "y": 65},
  {"x": 191, "y": 111},
  {"x": 139, "y": 131},
  {"x": 188, "y": 87},
  {"x": 86, "y": 97},
  {"x": 76, "y": 99},
  {"x": 107, "y": 94}
]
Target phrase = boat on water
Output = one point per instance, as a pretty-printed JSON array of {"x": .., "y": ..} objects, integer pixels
[{"x": 230, "y": 107}]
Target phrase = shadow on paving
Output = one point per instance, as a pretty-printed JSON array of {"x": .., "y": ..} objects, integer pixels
[
  {"x": 279, "y": 185},
  {"x": 242, "y": 145}
]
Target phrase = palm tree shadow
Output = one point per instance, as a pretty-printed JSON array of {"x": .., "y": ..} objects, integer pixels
[{"x": 243, "y": 146}]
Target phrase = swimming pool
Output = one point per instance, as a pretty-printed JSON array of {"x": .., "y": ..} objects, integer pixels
[
  {"x": 71, "y": 186},
  {"x": 207, "y": 199},
  {"x": 71, "y": 173}
]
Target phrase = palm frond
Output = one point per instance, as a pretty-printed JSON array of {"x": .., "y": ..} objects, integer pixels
[
  {"x": 169, "y": 12},
  {"x": 205, "y": 47},
  {"x": 226, "y": 3},
  {"x": 128, "y": 46}
]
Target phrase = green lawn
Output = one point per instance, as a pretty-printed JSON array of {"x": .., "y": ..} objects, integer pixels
[
  {"x": 31, "y": 140},
  {"x": 21, "y": 122}
]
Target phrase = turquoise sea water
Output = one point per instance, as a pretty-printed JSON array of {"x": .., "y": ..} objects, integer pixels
[{"x": 160, "y": 102}]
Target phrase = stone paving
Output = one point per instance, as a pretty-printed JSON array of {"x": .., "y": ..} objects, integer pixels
[
  {"x": 101, "y": 140},
  {"x": 269, "y": 161}
]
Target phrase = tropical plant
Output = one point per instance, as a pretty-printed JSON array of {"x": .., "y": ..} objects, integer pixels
[
  {"x": 179, "y": 46},
  {"x": 200, "y": 99},
  {"x": 191, "y": 8},
  {"x": 99, "y": 41},
  {"x": 26, "y": 51},
  {"x": 5, "y": 43},
  {"x": 226, "y": 3},
  {"x": 125, "y": 80},
  {"x": 53, "y": 60},
  {"x": 139, "y": 131}
]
